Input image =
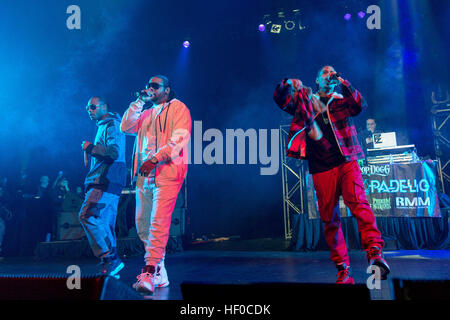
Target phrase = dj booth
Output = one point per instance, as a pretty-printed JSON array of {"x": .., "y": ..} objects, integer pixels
[{"x": 402, "y": 191}]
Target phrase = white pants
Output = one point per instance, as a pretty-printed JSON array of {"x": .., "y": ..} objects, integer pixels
[
  {"x": 154, "y": 206},
  {"x": 98, "y": 218}
]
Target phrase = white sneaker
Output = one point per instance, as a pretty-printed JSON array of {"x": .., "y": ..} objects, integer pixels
[
  {"x": 145, "y": 283},
  {"x": 161, "y": 279}
]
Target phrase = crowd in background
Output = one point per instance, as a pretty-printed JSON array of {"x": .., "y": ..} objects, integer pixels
[{"x": 28, "y": 211}]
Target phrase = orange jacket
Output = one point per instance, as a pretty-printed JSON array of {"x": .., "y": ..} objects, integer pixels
[{"x": 163, "y": 132}]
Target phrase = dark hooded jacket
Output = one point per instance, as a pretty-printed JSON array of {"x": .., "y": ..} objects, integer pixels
[{"x": 108, "y": 169}]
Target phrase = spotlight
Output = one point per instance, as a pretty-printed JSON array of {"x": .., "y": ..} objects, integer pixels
[
  {"x": 361, "y": 14},
  {"x": 186, "y": 44},
  {"x": 281, "y": 21},
  {"x": 347, "y": 16},
  {"x": 289, "y": 25},
  {"x": 276, "y": 28}
]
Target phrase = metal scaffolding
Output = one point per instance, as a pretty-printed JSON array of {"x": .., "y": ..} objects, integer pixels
[
  {"x": 440, "y": 117},
  {"x": 293, "y": 178}
]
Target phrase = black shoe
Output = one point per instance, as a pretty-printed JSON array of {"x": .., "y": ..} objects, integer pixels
[
  {"x": 111, "y": 266},
  {"x": 375, "y": 257}
]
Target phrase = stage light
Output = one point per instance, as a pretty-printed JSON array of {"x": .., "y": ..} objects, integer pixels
[
  {"x": 347, "y": 16},
  {"x": 361, "y": 14},
  {"x": 262, "y": 27},
  {"x": 289, "y": 25},
  {"x": 276, "y": 28},
  {"x": 281, "y": 22},
  {"x": 186, "y": 44}
]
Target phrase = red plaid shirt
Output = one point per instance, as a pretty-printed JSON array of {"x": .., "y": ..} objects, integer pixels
[{"x": 340, "y": 109}]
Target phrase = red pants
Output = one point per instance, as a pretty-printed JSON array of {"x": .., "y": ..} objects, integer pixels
[{"x": 345, "y": 180}]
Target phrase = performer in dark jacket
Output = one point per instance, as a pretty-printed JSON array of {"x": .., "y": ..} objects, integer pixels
[
  {"x": 103, "y": 185},
  {"x": 322, "y": 131}
]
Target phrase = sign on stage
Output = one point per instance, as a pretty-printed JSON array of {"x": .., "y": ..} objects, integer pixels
[{"x": 393, "y": 190}]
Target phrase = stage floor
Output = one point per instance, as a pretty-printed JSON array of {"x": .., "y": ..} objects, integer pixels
[{"x": 246, "y": 267}]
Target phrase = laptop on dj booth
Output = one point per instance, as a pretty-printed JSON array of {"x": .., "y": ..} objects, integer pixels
[{"x": 384, "y": 140}]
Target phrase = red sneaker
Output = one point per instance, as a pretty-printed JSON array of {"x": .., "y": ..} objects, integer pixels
[
  {"x": 146, "y": 281},
  {"x": 344, "y": 275}
]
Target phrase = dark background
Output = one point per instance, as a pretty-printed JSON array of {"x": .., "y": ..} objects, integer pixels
[{"x": 226, "y": 78}]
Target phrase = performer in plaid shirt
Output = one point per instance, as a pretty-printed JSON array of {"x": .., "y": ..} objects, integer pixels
[{"x": 323, "y": 133}]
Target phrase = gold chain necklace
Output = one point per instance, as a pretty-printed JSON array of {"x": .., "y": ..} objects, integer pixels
[{"x": 323, "y": 110}]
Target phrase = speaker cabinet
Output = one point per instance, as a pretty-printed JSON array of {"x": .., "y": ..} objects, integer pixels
[{"x": 69, "y": 227}]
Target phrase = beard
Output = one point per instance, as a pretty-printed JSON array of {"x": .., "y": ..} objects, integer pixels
[{"x": 158, "y": 98}]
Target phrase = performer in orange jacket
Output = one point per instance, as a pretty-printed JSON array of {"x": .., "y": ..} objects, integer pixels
[{"x": 159, "y": 168}]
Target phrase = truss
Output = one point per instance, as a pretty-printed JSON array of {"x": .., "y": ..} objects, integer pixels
[
  {"x": 440, "y": 117},
  {"x": 293, "y": 178}
]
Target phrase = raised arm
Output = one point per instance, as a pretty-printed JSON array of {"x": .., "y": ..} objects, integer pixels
[
  {"x": 131, "y": 120},
  {"x": 354, "y": 101}
]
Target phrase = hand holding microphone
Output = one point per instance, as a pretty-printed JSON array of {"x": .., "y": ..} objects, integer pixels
[
  {"x": 143, "y": 95},
  {"x": 335, "y": 77},
  {"x": 140, "y": 94}
]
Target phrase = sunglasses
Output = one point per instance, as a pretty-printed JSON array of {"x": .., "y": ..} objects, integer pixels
[
  {"x": 153, "y": 85},
  {"x": 91, "y": 107}
]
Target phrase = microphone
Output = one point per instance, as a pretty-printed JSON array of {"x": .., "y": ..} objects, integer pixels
[
  {"x": 138, "y": 94},
  {"x": 86, "y": 158},
  {"x": 334, "y": 77}
]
